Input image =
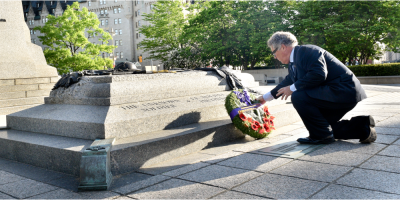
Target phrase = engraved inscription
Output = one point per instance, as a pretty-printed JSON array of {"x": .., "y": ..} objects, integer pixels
[
  {"x": 2, "y": 20},
  {"x": 171, "y": 104}
]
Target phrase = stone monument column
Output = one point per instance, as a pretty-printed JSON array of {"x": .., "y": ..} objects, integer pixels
[{"x": 25, "y": 77}]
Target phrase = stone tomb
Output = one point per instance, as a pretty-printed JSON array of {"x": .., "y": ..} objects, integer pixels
[{"x": 154, "y": 117}]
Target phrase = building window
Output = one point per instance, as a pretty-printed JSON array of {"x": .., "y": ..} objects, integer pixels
[
  {"x": 139, "y": 23},
  {"x": 117, "y": 54},
  {"x": 101, "y": 11},
  {"x": 122, "y": 55},
  {"x": 89, "y": 3},
  {"x": 119, "y": 10},
  {"x": 54, "y": 10},
  {"x": 120, "y": 20},
  {"x": 105, "y": 11},
  {"x": 116, "y": 42},
  {"x": 136, "y": 24},
  {"x": 140, "y": 35},
  {"x": 106, "y": 22},
  {"x": 115, "y": 10},
  {"x": 136, "y": 2},
  {"x": 137, "y": 47},
  {"x": 43, "y": 20},
  {"x": 31, "y": 32},
  {"x": 34, "y": 41},
  {"x": 101, "y": 2},
  {"x": 120, "y": 42},
  {"x": 151, "y": 6},
  {"x": 137, "y": 35},
  {"x": 47, "y": 19},
  {"x": 115, "y": 21},
  {"x": 30, "y": 23},
  {"x": 115, "y": 0},
  {"x": 135, "y": 13},
  {"x": 102, "y": 22},
  {"x": 138, "y": 12},
  {"x": 120, "y": 31}
]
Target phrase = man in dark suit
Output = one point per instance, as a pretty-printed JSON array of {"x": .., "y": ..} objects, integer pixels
[{"x": 323, "y": 90}]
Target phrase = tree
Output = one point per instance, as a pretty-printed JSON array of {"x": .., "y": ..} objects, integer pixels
[
  {"x": 235, "y": 32},
  {"x": 349, "y": 29},
  {"x": 68, "y": 47},
  {"x": 165, "y": 27}
]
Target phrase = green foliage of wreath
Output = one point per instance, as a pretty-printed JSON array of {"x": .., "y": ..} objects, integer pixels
[{"x": 243, "y": 125}]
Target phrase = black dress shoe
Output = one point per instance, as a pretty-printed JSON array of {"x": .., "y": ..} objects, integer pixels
[
  {"x": 372, "y": 136},
  {"x": 309, "y": 140}
]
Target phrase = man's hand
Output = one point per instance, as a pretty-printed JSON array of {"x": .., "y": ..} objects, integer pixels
[
  {"x": 261, "y": 99},
  {"x": 285, "y": 92}
]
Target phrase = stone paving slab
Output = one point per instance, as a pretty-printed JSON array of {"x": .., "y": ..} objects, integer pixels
[
  {"x": 58, "y": 194},
  {"x": 141, "y": 184},
  {"x": 336, "y": 157},
  {"x": 344, "y": 192},
  {"x": 386, "y": 130},
  {"x": 236, "y": 195},
  {"x": 221, "y": 157},
  {"x": 6, "y": 177},
  {"x": 383, "y": 163},
  {"x": 29, "y": 171},
  {"x": 126, "y": 179},
  {"x": 373, "y": 180},
  {"x": 312, "y": 171},
  {"x": 397, "y": 142},
  {"x": 177, "y": 189},
  {"x": 386, "y": 139},
  {"x": 186, "y": 169},
  {"x": 352, "y": 147},
  {"x": 392, "y": 150},
  {"x": 280, "y": 187},
  {"x": 26, "y": 188},
  {"x": 220, "y": 176},
  {"x": 262, "y": 163}
]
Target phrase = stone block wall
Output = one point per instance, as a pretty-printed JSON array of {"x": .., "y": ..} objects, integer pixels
[{"x": 22, "y": 93}]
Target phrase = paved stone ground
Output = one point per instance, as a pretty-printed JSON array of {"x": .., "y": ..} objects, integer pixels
[{"x": 342, "y": 170}]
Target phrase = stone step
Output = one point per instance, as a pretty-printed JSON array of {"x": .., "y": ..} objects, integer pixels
[
  {"x": 119, "y": 121},
  {"x": 63, "y": 154}
]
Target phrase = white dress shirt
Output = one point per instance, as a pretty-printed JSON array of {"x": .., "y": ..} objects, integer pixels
[{"x": 268, "y": 96}]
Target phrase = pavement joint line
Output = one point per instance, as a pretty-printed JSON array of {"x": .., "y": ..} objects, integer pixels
[
  {"x": 133, "y": 191},
  {"x": 57, "y": 188}
]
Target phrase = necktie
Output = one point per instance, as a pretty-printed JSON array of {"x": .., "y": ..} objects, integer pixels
[{"x": 293, "y": 69}]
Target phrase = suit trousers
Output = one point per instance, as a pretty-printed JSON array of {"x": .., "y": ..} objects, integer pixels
[{"x": 322, "y": 118}]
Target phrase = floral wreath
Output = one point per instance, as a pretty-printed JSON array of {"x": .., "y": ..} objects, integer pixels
[{"x": 248, "y": 115}]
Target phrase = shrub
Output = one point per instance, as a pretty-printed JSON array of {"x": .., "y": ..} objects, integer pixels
[{"x": 390, "y": 69}]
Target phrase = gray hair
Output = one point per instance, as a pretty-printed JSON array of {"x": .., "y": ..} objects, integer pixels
[{"x": 279, "y": 38}]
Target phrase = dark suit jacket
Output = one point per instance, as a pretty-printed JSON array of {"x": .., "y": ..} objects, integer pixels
[{"x": 322, "y": 76}]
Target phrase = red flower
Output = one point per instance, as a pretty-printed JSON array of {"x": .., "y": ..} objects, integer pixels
[
  {"x": 273, "y": 128},
  {"x": 266, "y": 120},
  {"x": 271, "y": 122},
  {"x": 266, "y": 126},
  {"x": 242, "y": 116},
  {"x": 271, "y": 117},
  {"x": 257, "y": 123},
  {"x": 266, "y": 110},
  {"x": 254, "y": 127},
  {"x": 268, "y": 129},
  {"x": 261, "y": 131}
]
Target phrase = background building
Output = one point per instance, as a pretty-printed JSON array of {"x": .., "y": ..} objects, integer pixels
[{"x": 121, "y": 18}]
